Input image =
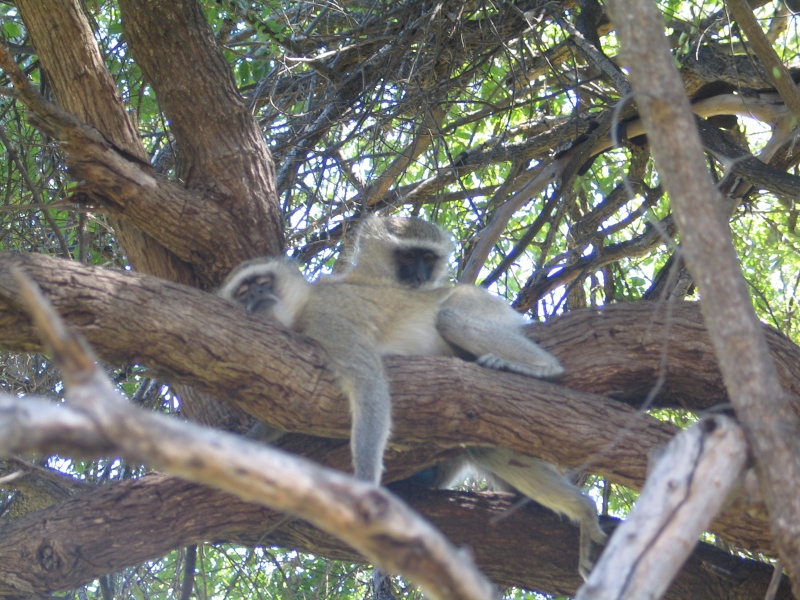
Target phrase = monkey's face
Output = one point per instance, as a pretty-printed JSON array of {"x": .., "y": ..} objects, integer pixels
[
  {"x": 257, "y": 293},
  {"x": 415, "y": 266}
]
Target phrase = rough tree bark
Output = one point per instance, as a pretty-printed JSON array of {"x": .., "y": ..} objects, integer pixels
[
  {"x": 225, "y": 164},
  {"x": 688, "y": 484},
  {"x": 276, "y": 376},
  {"x": 530, "y": 547},
  {"x": 84, "y": 87},
  {"x": 190, "y": 338}
]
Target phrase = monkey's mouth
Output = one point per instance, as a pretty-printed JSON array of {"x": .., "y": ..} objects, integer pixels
[{"x": 261, "y": 306}]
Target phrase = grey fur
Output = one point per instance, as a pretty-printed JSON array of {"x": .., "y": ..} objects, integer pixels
[{"x": 355, "y": 324}]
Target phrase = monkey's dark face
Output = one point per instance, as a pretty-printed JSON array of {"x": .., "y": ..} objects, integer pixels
[
  {"x": 415, "y": 266},
  {"x": 257, "y": 293}
]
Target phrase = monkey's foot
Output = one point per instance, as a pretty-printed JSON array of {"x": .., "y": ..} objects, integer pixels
[{"x": 540, "y": 371}]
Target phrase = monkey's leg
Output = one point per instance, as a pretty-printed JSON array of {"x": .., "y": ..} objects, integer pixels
[
  {"x": 264, "y": 433},
  {"x": 541, "y": 481},
  {"x": 488, "y": 328}
]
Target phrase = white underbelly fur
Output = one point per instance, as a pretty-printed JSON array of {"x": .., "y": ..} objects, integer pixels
[{"x": 417, "y": 336}]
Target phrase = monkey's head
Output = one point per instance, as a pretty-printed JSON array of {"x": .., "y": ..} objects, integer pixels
[
  {"x": 272, "y": 287},
  {"x": 405, "y": 250}
]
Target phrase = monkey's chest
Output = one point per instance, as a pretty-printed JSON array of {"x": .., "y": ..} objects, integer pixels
[{"x": 414, "y": 336}]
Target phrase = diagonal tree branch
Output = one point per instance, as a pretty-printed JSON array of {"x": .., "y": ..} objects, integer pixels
[
  {"x": 226, "y": 161},
  {"x": 85, "y": 88},
  {"x": 762, "y": 405},
  {"x": 773, "y": 65}
]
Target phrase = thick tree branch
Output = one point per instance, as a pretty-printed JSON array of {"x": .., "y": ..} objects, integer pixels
[
  {"x": 164, "y": 229},
  {"x": 229, "y": 166},
  {"x": 85, "y": 88},
  {"x": 93, "y": 97},
  {"x": 227, "y": 159},
  {"x": 276, "y": 376},
  {"x": 530, "y": 547},
  {"x": 196, "y": 339},
  {"x": 689, "y": 483},
  {"x": 187, "y": 224}
]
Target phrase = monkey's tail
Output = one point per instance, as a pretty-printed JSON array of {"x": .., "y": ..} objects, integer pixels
[{"x": 541, "y": 481}]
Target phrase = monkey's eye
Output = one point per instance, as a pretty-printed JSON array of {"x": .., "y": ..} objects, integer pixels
[
  {"x": 242, "y": 290},
  {"x": 264, "y": 280},
  {"x": 430, "y": 257},
  {"x": 406, "y": 256}
]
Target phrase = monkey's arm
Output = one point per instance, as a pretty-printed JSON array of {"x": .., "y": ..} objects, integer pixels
[
  {"x": 370, "y": 405},
  {"x": 354, "y": 359},
  {"x": 485, "y": 326}
]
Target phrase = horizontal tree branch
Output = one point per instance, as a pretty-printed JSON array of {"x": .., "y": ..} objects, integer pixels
[
  {"x": 501, "y": 539},
  {"x": 194, "y": 338}
]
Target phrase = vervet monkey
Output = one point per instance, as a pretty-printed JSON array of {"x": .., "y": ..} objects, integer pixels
[
  {"x": 355, "y": 325},
  {"x": 413, "y": 252},
  {"x": 394, "y": 286},
  {"x": 399, "y": 320}
]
